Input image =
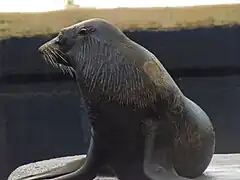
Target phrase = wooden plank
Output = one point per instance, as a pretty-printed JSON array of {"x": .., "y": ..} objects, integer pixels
[{"x": 222, "y": 167}]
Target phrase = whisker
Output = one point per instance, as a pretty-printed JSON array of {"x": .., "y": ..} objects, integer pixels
[
  {"x": 45, "y": 57},
  {"x": 59, "y": 52},
  {"x": 50, "y": 55},
  {"x": 53, "y": 51},
  {"x": 53, "y": 55},
  {"x": 49, "y": 58},
  {"x": 48, "y": 52},
  {"x": 63, "y": 68},
  {"x": 68, "y": 70}
]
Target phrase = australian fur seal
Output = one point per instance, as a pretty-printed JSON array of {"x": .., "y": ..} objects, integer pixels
[{"x": 139, "y": 116}]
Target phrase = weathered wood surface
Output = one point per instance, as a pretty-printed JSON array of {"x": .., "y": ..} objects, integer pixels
[{"x": 222, "y": 167}]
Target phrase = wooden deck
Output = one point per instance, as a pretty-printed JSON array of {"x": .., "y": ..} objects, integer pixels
[{"x": 222, "y": 167}]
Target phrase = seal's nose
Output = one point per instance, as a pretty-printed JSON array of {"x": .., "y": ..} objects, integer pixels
[{"x": 40, "y": 49}]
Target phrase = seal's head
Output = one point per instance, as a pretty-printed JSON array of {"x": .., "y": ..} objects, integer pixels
[
  {"x": 107, "y": 62},
  {"x": 81, "y": 42}
]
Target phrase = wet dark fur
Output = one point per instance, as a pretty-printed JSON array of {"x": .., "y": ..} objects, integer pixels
[{"x": 138, "y": 114}]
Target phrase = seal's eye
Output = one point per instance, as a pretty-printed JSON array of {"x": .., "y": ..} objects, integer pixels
[
  {"x": 86, "y": 30},
  {"x": 83, "y": 31},
  {"x": 60, "y": 38}
]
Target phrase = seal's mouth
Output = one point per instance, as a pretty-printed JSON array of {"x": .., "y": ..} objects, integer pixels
[{"x": 55, "y": 57}]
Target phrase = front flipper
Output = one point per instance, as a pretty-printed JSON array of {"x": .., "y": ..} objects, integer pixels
[
  {"x": 59, "y": 171},
  {"x": 96, "y": 157},
  {"x": 87, "y": 168}
]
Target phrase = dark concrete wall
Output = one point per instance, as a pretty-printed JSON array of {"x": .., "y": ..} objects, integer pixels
[{"x": 40, "y": 110}]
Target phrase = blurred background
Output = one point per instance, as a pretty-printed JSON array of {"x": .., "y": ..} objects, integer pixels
[{"x": 41, "y": 115}]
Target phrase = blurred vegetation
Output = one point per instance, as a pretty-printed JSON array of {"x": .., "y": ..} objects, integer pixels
[{"x": 28, "y": 24}]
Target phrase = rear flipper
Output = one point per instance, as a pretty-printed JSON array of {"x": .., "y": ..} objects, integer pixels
[
  {"x": 158, "y": 151},
  {"x": 194, "y": 141}
]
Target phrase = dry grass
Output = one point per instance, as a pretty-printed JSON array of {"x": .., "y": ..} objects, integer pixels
[{"x": 27, "y": 24}]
